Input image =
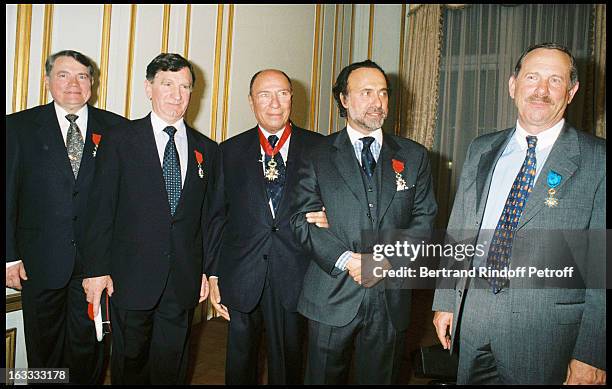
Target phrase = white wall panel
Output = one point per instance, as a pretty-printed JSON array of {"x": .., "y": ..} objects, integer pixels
[
  {"x": 147, "y": 45},
  {"x": 34, "y": 78},
  {"x": 202, "y": 56},
  {"x": 11, "y": 25},
  {"x": 118, "y": 58},
  {"x": 386, "y": 49},
  {"x": 270, "y": 36},
  {"x": 78, "y": 27}
]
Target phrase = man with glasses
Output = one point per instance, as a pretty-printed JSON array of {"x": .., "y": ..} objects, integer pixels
[{"x": 259, "y": 265}]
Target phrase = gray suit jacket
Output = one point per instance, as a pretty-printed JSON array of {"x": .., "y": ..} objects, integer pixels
[
  {"x": 331, "y": 177},
  {"x": 580, "y": 159}
]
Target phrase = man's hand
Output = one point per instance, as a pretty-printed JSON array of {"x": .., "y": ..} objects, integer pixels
[
  {"x": 318, "y": 218},
  {"x": 579, "y": 373},
  {"x": 368, "y": 279},
  {"x": 94, "y": 287},
  {"x": 215, "y": 298},
  {"x": 443, "y": 321},
  {"x": 354, "y": 267},
  {"x": 14, "y": 275},
  {"x": 203, "y": 289}
]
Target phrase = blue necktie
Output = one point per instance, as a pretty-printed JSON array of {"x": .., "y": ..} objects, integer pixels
[
  {"x": 501, "y": 245},
  {"x": 172, "y": 170},
  {"x": 275, "y": 188},
  {"x": 368, "y": 163}
]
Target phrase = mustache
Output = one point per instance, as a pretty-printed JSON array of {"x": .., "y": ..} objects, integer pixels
[
  {"x": 539, "y": 99},
  {"x": 376, "y": 110}
]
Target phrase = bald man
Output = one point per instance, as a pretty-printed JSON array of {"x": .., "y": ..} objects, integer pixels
[{"x": 259, "y": 265}]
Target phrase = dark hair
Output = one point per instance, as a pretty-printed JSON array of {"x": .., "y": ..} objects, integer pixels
[
  {"x": 264, "y": 70},
  {"x": 550, "y": 46},
  {"x": 169, "y": 62},
  {"x": 82, "y": 59},
  {"x": 340, "y": 87}
]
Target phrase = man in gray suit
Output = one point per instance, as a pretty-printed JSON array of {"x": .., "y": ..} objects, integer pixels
[
  {"x": 508, "y": 334},
  {"x": 366, "y": 180}
]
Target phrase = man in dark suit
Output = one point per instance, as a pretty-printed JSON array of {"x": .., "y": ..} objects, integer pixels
[
  {"x": 509, "y": 332},
  {"x": 260, "y": 266},
  {"x": 49, "y": 168},
  {"x": 355, "y": 174},
  {"x": 147, "y": 233}
]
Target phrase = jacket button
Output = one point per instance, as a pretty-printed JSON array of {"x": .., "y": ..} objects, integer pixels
[
  {"x": 75, "y": 193},
  {"x": 274, "y": 228}
]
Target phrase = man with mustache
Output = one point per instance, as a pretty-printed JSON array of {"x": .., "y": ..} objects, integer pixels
[
  {"x": 366, "y": 180},
  {"x": 538, "y": 176}
]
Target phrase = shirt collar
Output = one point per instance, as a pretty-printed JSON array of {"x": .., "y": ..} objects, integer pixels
[
  {"x": 546, "y": 138},
  {"x": 159, "y": 124},
  {"x": 355, "y": 135},
  {"x": 81, "y": 113},
  {"x": 267, "y": 134}
]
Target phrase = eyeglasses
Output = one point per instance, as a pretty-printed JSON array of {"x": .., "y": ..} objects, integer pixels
[{"x": 265, "y": 98}]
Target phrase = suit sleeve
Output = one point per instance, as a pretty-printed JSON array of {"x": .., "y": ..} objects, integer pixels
[
  {"x": 444, "y": 297},
  {"x": 213, "y": 219},
  {"x": 102, "y": 204},
  {"x": 12, "y": 192},
  {"x": 321, "y": 243},
  {"x": 590, "y": 345}
]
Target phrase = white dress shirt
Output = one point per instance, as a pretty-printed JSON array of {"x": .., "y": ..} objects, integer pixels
[
  {"x": 180, "y": 140},
  {"x": 284, "y": 153},
  {"x": 65, "y": 124}
]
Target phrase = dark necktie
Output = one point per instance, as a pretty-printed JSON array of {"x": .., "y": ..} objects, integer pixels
[
  {"x": 74, "y": 144},
  {"x": 500, "y": 250},
  {"x": 275, "y": 188},
  {"x": 368, "y": 163},
  {"x": 172, "y": 170}
]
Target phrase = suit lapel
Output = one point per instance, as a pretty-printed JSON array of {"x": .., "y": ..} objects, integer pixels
[
  {"x": 144, "y": 149},
  {"x": 254, "y": 171},
  {"x": 87, "y": 160},
  {"x": 191, "y": 167},
  {"x": 563, "y": 160},
  {"x": 50, "y": 134},
  {"x": 388, "y": 186},
  {"x": 295, "y": 150},
  {"x": 343, "y": 158},
  {"x": 486, "y": 165}
]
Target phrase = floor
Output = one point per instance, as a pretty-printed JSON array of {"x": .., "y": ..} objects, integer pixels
[{"x": 208, "y": 342}]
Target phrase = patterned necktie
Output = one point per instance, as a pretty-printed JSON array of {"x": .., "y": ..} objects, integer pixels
[
  {"x": 368, "y": 163},
  {"x": 501, "y": 244},
  {"x": 172, "y": 170},
  {"x": 74, "y": 144},
  {"x": 275, "y": 188}
]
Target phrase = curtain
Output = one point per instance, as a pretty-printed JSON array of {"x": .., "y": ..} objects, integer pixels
[
  {"x": 480, "y": 47},
  {"x": 599, "y": 71},
  {"x": 419, "y": 94}
]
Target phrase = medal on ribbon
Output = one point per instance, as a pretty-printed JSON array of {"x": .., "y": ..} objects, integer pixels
[
  {"x": 271, "y": 172},
  {"x": 199, "y": 159},
  {"x": 96, "y": 140},
  {"x": 553, "y": 180},
  {"x": 398, "y": 168}
]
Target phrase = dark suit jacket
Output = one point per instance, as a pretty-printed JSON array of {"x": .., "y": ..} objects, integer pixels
[
  {"x": 131, "y": 234},
  {"x": 44, "y": 203},
  {"x": 253, "y": 243},
  {"x": 331, "y": 177},
  {"x": 580, "y": 159}
]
